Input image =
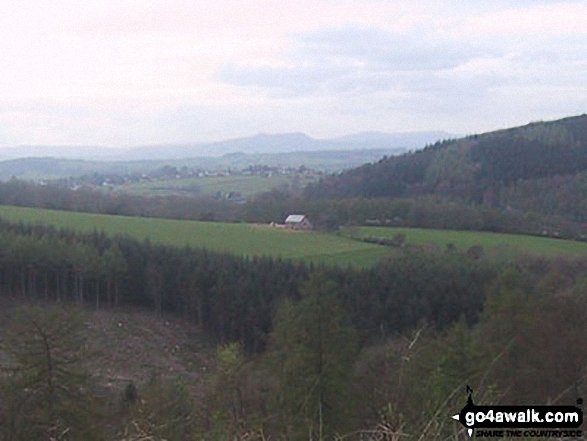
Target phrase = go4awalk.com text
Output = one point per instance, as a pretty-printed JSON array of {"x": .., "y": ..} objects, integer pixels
[{"x": 554, "y": 421}]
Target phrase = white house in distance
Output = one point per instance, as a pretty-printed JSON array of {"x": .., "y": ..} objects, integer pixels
[{"x": 298, "y": 222}]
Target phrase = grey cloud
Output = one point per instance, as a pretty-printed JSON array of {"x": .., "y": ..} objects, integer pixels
[
  {"x": 382, "y": 50},
  {"x": 299, "y": 80},
  {"x": 353, "y": 60},
  {"x": 368, "y": 71},
  {"x": 555, "y": 51}
]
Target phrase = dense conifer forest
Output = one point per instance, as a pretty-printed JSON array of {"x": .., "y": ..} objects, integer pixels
[
  {"x": 304, "y": 352},
  {"x": 233, "y": 299},
  {"x": 473, "y": 169}
]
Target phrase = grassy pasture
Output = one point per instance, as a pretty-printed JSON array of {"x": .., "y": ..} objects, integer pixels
[
  {"x": 240, "y": 239},
  {"x": 257, "y": 240},
  {"x": 462, "y": 240},
  {"x": 210, "y": 185}
]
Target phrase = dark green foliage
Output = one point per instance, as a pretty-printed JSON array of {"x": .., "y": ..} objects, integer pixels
[
  {"x": 415, "y": 286},
  {"x": 313, "y": 348},
  {"x": 482, "y": 169},
  {"x": 231, "y": 298},
  {"x": 28, "y": 194},
  {"x": 527, "y": 348},
  {"x": 48, "y": 389},
  {"x": 467, "y": 168},
  {"x": 434, "y": 211},
  {"x": 164, "y": 412},
  {"x": 428, "y": 323},
  {"x": 561, "y": 195},
  {"x": 537, "y": 328}
]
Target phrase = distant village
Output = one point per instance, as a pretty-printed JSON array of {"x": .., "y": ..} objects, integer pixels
[{"x": 113, "y": 181}]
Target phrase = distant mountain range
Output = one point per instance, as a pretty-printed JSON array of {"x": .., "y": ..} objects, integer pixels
[
  {"x": 258, "y": 144},
  {"x": 325, "y": 161},
  {"x": 289, "y": 142}
]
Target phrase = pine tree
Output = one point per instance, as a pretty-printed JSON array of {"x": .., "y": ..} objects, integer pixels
[
  {"x": 49, "y": 386},
  {"x": 312, "y": 350}
]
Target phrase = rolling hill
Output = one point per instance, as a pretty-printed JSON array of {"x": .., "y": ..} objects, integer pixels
[
  {"x": 56, "y": 167},
  {"x": 289, "y": 142},
  {"x": 540, "y": 167},
  {"x": 262, "y": 143}
]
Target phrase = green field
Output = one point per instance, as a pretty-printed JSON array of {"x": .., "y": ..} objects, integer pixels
[
  {"x": 240, "y": 239},
  {"x": 257, "y": 240},
  {"x": 462, "y": 240},
  {"x": 246, "y": 186}
]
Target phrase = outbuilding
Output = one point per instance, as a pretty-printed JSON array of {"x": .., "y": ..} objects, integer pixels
[{"x": 298, "y": 222}]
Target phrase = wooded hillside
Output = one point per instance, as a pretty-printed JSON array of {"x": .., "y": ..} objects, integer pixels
[{"x": 500, "y": 169}]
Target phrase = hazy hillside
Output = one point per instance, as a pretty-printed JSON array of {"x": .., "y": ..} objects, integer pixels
[
  {"x": 538, "y": 167},
  {"x": 58, "y": 151},
  {"x": 289, "y": 142},
  {"x": 258, "y": 144},
  {"x": 54, "y": 167},
  {"x": 410, "y": 140},
  {"x": 279, "y": 150},
  {"x": 46, "y": 167}
]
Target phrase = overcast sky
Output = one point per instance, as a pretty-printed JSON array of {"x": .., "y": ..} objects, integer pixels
[{"x": 124, "y": 73}]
